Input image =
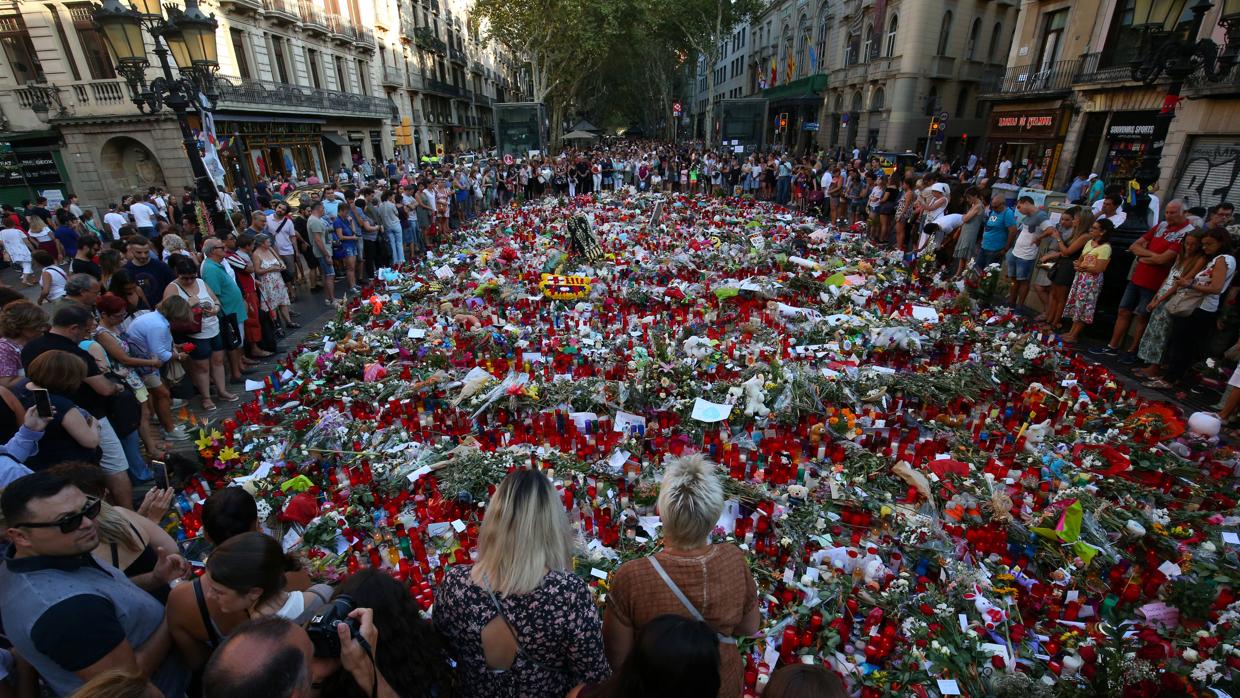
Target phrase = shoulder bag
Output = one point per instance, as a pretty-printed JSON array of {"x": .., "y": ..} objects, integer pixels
[{"x": 1183, "y": 302}]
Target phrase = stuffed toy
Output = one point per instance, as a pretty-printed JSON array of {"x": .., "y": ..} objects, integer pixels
[{"x": 755, "y": 396}]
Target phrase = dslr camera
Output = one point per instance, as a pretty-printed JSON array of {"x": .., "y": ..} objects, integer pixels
[{"x": 322, "y": 627}]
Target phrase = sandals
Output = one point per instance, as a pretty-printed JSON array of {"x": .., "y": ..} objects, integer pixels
[
  {"x": 208, "y": 405},
  {"x": 1157, "y": 384},
  {"x": 228, "y": 397}
]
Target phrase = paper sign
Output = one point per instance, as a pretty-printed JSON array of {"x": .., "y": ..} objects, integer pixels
[
  {"x": 925, "y": 313},
  {"x": 254, "y": 385},
  {"x": 626, "y": 422},
  {"x": 291, "y": 540},
  {"x": 416, "y": 333},
  {"x": 617, "y": 460},
  {"x": 1170, "y": 569},
  {"x": 1231, "y": 538},
  {"x": 419, "y": 473},
  {"x": 706, "y": 411},
  {"x": 949, "y": 687}
]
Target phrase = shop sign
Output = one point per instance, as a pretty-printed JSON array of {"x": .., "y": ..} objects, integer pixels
[
  {"x": 1132, "y": 126},
  {"x": 1026, "y": 123},
  {"x": 18, "y": 169}
]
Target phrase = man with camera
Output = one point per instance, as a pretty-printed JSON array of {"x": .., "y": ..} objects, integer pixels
[{"x": 273, "y": 657}]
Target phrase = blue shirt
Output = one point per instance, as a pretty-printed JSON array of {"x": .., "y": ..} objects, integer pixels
[
  {"x": 995, "y": 235},
  {"x": 68, "y": 238},
  {"x": 1077, "y": 190},
  {"x": 150, "y": 337},
  {"x": 226, "y": 289}
]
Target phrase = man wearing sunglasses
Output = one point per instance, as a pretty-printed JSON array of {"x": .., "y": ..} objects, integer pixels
[{"x": 69, "y": 616}]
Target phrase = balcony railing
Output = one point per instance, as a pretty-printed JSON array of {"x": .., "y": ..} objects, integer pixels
[
  {"x": 312, "y": 17},
  {"x": 457, "y": 55},
  {"x": 244, "y": 4},
  {"x": 340, "y": 27},
  {"x": 274, "y": 96},
  {"x": 392, "y": 76},
  {"x": 1031, "y": 79},
  {"x": 413, "y": 80},
  {"x": 1097, "y": 68},
  {"x": 443, "y": 88},
  {"x": 1197, "y": 85},
  {"x": 364, "y": 38},
  {"x": 282, "y": 10},
  {"x": 407, "y": 28}
]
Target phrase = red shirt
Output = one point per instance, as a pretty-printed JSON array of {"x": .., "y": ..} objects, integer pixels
[{"x": 1159, "y": 239}]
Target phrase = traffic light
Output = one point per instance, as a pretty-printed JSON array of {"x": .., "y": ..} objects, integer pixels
[
  {"x": 935, "y": 126},
  {"x": 783, "y": 121}
]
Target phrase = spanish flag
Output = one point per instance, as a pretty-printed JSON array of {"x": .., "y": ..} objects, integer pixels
[
  {"x": 792, "y": 68},
  {"x": 774, "y": 73}
]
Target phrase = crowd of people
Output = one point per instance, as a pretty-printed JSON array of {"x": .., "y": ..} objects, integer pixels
[{"x": 98, "y": 600}]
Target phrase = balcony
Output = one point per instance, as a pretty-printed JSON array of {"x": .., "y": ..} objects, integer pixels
[
  {"x": 456, "y": 55},
  {"x": 425, "y": 38},
  {"x": 392, "y": 77},
  {"x": 971, "y": 71},
  {"x": 414, "y": 81},
  {"x": 942, "y": 67},
  {"x": 341, "y": 30},
  {"x": 313, "y": 21},
  {"x": 282, "y": 11},
  {"x": 1197, "y": 85},
  {"x": 407, "y": 29},
  {"x": 247, "y": 94},
  {"x": 243, "y": 5},
  {"x": 81, "y": 100},
  {"x": 475, "y": 67},
  {"x": 1099, "y": 68},
  {"x": 1028, "y": 80},
  {"x": 364, "y": 39},
  {"x": 442, "y": 88}
]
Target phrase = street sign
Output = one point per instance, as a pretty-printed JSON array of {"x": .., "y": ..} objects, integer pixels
[
  {"x": 811, "y": 126},
  {"x": 943, "y": 117},
  {"x": 844, "y": 118},
  {"x": 675, "y": 108}
]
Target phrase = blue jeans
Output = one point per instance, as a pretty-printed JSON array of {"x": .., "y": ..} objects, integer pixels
[
  {"x": 986, "y": 258},
  {"x": 139, "y": 471},
  {"x": 783, "y": 189},
  {"x": 395, "y": 239},
  {"x": 147, "y": 231}
]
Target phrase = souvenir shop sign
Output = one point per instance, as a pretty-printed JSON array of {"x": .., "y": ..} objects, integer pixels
[{"x": 1132, "y": 126}]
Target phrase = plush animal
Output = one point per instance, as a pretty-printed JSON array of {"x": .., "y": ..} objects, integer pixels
[
  {"x": 1035, "y": 435},
  {"x": 901, "y": 337},
  {"x": 915, "y": 479},
  {"x": 755, "y": 396},
  {"x": 697, "y": 348},
  {"x": 992, "y": 615}
]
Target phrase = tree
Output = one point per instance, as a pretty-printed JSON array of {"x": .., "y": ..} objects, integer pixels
[{"x": 703, "y": 26}]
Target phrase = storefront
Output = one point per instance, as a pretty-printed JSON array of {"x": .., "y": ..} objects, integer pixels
[
  {"x": 790, "y": 109},
  {"x": 31, "y": 166},
  {"x": 1035, "y": 135},
  {"x": 1129, "y": 135},
  {"x": 1209, "y": 170},
  {"x": 258, "y": 147}
]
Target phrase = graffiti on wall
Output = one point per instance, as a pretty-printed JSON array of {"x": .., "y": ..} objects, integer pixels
[{"x": 1209, "y": 175}]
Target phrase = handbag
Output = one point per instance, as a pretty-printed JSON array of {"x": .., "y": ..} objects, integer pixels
[
  {"x": 188, "y": 327},
  {"x": 1184, "y": 302}
]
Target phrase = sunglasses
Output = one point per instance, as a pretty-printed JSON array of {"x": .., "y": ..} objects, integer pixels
[{"x": 71, "y": 522}]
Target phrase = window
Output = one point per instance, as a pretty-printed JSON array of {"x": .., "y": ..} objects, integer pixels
[
  {"x": 856, "y": 102},
  {"x": 945, "y": 33},
  {"x": 824, "y": 29},
  {"x": 852, "y": 48},
  {"x": 962, "y": 98},
  {"x": 64, "y": 41},
  {"x": 803, "y": 38},
  {"x": 868, "y": 44},
  {"x": 341, "y": 83},
  {"x": 879, "y": 100},
  {"x": 891, "y": 35},
  {"x": 98, "y": 60},
  {"x": 312, "y": 65},
  {"x": 970, "y": 51},
  {"x": 932, "y": 101},
  {"x": 279, "y": 69},
  {"x": 19, "y": 50},
  {"x": 1053, "y": 25},
  {"x": 363, "y": 76},
  {"x": 239, "y": 53},
  {"x": 994, "y": 42}
]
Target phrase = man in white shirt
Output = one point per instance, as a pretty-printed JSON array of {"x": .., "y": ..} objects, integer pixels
[
  {"x": 942, "y": 227},
  {"x": 1024, "y": 253},
  {"x": 972, "y": 163},
  {"x": 1005, "y": 169},
  {"x": 143, "y": 217},
  {"x": 282, "y": 231},
  {"x": 826, "y": 179},
  {"x": 1107, "y": 208},
  {"x": 113, "y": 220}
]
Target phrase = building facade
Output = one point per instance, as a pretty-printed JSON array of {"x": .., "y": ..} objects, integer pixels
[
  {"x": 306, "y": 86},
  {"x": 870, "y": 74},
  {"x": 730, "y": 78},
  {"x": 1068, "y": 103}
]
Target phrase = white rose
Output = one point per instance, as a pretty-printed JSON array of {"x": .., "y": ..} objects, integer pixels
[
  {"x": 1190, "y": 655},
  {"x": 1134, "y": 528}
]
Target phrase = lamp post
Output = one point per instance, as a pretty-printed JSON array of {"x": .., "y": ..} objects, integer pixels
[
  {"x": 189, "y": 35},
  {"x": 1176, "y": 52}
]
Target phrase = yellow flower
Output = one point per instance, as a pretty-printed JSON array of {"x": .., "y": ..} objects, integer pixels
[
  {"x": 203, "y": 440},
  {"x": 228, "y": 454}
]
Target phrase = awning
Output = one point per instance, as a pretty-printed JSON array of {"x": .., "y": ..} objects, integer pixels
[
  {"x": 809, "y": 87},
  {"x": 336, "y": 139}
]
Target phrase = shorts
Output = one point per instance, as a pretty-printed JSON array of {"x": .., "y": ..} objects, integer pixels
[
  {"x": 1136, "y": 299},
  {"x": 1018, "y": 269},
  {"x": 152, "y": 380},
  {"x": 230, "y": 332},
  {"x": 987, "y": 257},
  {"x": 205, "y": 346},
  {"x": 325, "y": 265}
]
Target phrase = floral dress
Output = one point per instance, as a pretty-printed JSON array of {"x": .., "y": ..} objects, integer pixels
[
  {"x": 273, "y": 292},
  {"x": 1083, "y": 298},
  {"x": 558, "y": 629},
  {"x": 1158, "y": 329}
]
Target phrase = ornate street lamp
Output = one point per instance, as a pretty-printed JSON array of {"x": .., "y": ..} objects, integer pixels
[
  {"x": 1170, "y": 51},
  {"x": 189, "y": 35}
]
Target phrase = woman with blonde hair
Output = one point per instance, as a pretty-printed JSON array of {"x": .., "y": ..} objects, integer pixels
[
  {"x": 689, "y": 577},
  {"x": 519, "y": 621},
  {"x": 118, "y": 683}
]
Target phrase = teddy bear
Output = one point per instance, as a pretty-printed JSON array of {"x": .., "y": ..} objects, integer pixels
[{"x": 755, "y": 396}]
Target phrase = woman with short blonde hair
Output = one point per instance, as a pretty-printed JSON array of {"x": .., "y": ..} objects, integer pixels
[
  {"x": 689, "y": 577},
  {"x": 519, "y": 621}
]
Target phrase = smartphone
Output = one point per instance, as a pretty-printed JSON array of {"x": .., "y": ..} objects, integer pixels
[
  {"x": 42, "y": 403},
  {"x": 161, "y": 469}
]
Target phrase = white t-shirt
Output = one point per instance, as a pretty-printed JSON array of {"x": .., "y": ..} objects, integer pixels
[
  {"x": 282, "y": 232},
  {"x": 1005, "y": 168},
  {"x": 44, "y": 235},
  {"x": 949, "y": 222},
  {"x": 143, "y": 215},
  {"x": 15, "y": 244},
  {"x": 1026, "y": 246},
  {"x": 114, "y": 221},
  {"x": 57, "y": 277},
  {"x": 1117, "y": 220}
]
